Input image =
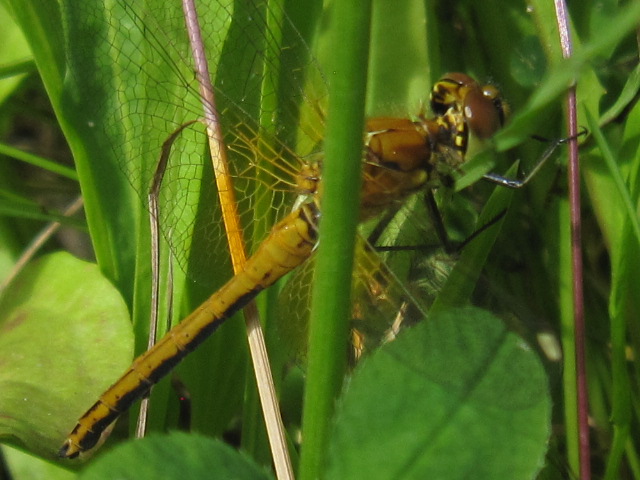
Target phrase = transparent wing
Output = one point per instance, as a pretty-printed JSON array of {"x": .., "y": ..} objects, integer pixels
[
  {"x": 263, "y": 75},
  {"x": 382, "y": 303}
]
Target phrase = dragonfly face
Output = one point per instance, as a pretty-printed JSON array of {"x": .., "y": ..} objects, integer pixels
[{"x": 482, "y": 107}]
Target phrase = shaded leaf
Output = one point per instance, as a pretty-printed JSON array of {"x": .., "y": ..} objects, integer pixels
[
  {"x": 57, "y": 319},
  {"x": 455, "y": 397},
  {"x": 177, "y": 455}
]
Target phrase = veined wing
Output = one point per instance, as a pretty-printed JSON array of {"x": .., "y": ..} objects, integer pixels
[
  {"x": 382, "y": 305},
  {"x": 263, "y": 75}
]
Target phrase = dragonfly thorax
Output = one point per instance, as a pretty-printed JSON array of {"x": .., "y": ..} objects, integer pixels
[
  {"x": 394, "y": 162},
  {"x": 308, "y": 178}
]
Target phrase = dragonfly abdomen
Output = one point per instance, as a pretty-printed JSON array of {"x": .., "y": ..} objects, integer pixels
[{"x": 288, "y": 245}]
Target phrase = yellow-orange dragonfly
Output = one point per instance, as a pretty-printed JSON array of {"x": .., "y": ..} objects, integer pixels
[{"x": 402, "y": 156}]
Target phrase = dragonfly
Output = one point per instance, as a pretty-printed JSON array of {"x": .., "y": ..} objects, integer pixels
[{"x": 402, "y": 157}]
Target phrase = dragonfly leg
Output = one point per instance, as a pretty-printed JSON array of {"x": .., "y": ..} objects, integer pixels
[
  {"x": 521, "y": 182},
  {"x": 438, "y": 222}
]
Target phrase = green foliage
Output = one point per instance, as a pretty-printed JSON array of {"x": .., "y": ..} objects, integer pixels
[
  {"x": 458, "y": 393},
  {"x": 58, "y": 318},
  {"x": 455, "y": 391},
  {"x": 177, "y": 455}
]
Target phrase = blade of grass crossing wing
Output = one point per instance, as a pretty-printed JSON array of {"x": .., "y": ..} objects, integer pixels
[{"x": 329, "y": 324}]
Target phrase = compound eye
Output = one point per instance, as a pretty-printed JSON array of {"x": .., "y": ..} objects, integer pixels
[
  {"x": 501, "y": 106},
  {"x": 458, "y": 78},
  {"x": 484, "y": 112}
]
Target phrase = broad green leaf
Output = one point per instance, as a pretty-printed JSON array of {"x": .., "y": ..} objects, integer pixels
[
  {"x": 455, "y": 397},
  {"x": 23, "y": 465},
  {"x": 13, "y": 55},
  {"x": 176, "y": 455},
  {"x": 58, "y": 318}
]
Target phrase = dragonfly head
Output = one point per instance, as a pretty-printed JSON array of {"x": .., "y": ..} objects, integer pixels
[{"x": 482, "y": 106}]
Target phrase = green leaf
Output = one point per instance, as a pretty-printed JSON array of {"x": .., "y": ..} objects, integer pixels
[
  {"x": 458, "y": 396},
  {"x": 176, "y": 455},
  {"x": 58, "y": 318},
  {"x": 12, "y": 55},
  {"x": 23, "y": 465}
]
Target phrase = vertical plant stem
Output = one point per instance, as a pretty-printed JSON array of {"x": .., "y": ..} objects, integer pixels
[
  {"x": 329, "y": 324},
  {"x": 233, "y": 227},
  {"x": 576, "y": 252}
]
